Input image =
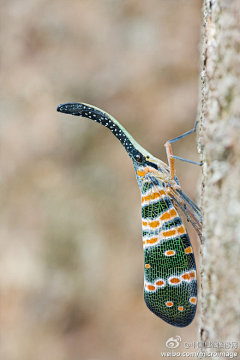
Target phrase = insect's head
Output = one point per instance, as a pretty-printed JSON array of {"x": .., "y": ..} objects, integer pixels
[
  {"x": 147, "y": 166},
  {"x": 141, "y": 160}
]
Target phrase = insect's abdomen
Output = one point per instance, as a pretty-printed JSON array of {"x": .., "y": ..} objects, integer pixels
[{"x": 170, "y": 283}]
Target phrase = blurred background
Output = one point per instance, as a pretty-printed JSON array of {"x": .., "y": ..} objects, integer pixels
[{"x": 72, "y": 259}]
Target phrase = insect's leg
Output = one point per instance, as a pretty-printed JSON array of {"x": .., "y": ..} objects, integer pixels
[
  {"x": 170, "y": 159},
  {"x": 170, "y": 155},
  {"x": 184, "y": 135},
  {"x": 186, "y": 160}
]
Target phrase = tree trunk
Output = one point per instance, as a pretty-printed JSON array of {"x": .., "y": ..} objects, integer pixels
[{"x": 219, "y": 144}]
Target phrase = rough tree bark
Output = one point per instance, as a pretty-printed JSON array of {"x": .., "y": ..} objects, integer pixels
[{"x": 219, "y": 144}]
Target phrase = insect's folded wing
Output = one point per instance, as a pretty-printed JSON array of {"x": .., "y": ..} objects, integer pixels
[{"x": 170, "y": 287}]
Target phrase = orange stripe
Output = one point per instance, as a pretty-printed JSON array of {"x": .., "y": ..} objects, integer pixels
[
  {"x": 169, "y": 233},
  {"x": 152, "y": 241},
  {"x": 181, "y": 230},
  {"x": 175, "y": 281},
  {"x": 160, "y": 283},
  {"x": 188, "y": 250},
  {"x": 144, "y": 172},
  {"x": 193, "y": 274},
  {"x": 170, "y": 253},
  {"x": 151, "y": 287},
  {"x": 153, "y": 196},
  {"x": 173, "y": 212},
  {"x": 170, "y": 214},
  {"x": 141, "y": 173},
  {"x": 165, "y": 216},
  {"x": 193, "y": 300},
  {"x": 186, "y": 276},
  {"x": 154, "y": 224}
]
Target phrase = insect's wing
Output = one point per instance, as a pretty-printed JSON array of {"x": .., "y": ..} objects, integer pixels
[{"x": 170, "y": 283}]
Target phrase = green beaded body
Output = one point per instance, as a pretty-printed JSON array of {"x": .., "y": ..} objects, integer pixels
[{"x": 170, "y": 283}]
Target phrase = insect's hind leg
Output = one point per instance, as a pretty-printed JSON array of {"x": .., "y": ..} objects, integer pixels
[{"x": 170, "y": 155}]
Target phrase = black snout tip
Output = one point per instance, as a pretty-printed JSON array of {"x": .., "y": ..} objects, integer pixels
[{"x": 70, "y": 108}]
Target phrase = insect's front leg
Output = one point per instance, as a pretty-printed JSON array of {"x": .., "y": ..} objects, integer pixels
[
  {"x": 171, "y": 161},
  {"x": 170, "y": 155}
]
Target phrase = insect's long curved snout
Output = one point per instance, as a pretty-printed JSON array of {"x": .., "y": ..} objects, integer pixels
[
  {"x": 103, "y": 118},
  {"x": 93, "y": 113}
]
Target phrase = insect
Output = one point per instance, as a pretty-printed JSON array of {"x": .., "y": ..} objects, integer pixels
[{"x": 170, "y": 282}]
